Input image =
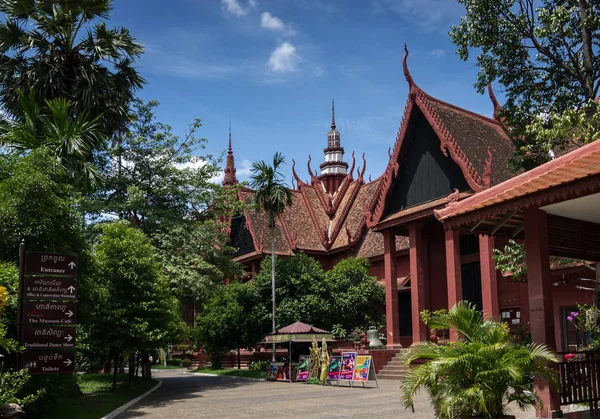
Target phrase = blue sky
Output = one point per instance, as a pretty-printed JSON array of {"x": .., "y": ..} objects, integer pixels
[{"x": 273, "y": 66}]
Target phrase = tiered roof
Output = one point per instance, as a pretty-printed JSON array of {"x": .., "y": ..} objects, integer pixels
[{"x": 323, "y": 222}]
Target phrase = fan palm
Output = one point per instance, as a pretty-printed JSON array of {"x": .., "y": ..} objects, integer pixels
[
  {"x": 62, "y": 48},
  {"x": 480, "y": 374},
  {"x": 272, "y": 196},
  {"x": 70, "y": 141}
]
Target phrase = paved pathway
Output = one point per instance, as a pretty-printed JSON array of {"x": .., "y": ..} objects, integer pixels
[{"x": 189, "y": 396}]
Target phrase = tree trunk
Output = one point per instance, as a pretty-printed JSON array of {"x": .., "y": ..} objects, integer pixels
[
  {"x": 273, "y": 281},
  {"x": 131, "y": 370},
  {"x": 239, "y": 360},
  {"x": 121, "y": 365},
  {"x": 115, "y": 371},
  {"x": 588, "y": 55},
  {"x": 106, "y": 366}
]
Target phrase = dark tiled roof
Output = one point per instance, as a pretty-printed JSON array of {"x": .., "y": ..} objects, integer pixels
[
  {"x": 299, "y": 224},
  {"x": 372, "y": 245},
  {"x": 475, "y": 134}
]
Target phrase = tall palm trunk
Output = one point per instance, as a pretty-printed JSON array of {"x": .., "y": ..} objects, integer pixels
[{"x": 273, "y": 282}]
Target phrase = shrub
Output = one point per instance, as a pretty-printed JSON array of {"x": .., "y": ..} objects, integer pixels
[
  {"x": 186, "y": 363},
  {"x": 257, "y": 366},
  {"x": 175, "y": 362},
  {"x": 481, "y": 373}
]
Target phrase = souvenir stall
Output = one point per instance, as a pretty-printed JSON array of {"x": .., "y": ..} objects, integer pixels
[{"x": 296, "y": 334}]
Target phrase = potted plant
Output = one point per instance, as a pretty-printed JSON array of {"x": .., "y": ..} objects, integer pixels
[
  {"x": 479, "y": 375},
  {"x": 356, "y": 337}
]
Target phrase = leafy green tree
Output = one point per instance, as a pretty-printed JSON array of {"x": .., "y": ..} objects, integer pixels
[
  {"x": 478, "y": 375},
  {"x": 70, "y": 141},
  {"x": 158, "y": 182},
  {"x": 154, "y": 178},
  {"x": 346, "y": 295},
  {"x": 272, "y": 196},
  {"x": 358, "y": 299},
  {"x": 134, "y": 309},
  {"x": 63, "y": 49},
  {"x": 196, "y": 259},
  {"x": 37, "y": 204},
  {"x": 546, "y": 56},
  {"x": 9, "y": 280},
  {"x": 232, "y": 319},
  {"x": 11, "y": 382},
  {"x": 302, "y": 292}
]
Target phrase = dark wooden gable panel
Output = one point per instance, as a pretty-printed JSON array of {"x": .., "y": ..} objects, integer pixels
[
  {"x": 425, "y": 174},
  {"x": 240, "y": 237}
]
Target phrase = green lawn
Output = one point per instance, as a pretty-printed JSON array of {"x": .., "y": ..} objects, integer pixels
[
  {"x": 168, "y": 367},
  {"x": 98, "y": 399},
  {"x": 233, "y": 372}
]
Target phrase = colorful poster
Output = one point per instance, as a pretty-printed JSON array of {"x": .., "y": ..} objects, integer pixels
[
  {"x": 335, "y": 363},
  {"x": 271, "y": 371},
  {"x": 303, "y": 362},
  {"x": 362, "y": 368},
  {"x": 278, "y": 371},
  {"x": 347, "y": 367}
]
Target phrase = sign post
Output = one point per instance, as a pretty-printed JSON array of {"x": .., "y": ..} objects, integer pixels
[{"x": 47, "y": 311}]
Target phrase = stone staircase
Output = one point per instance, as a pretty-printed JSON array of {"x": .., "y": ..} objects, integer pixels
[{"x": 394, "y": 370}]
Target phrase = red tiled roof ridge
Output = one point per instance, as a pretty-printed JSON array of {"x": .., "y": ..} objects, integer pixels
[
  {"x": 299, "y": 327},
  {"x": 522, "y": 179}
]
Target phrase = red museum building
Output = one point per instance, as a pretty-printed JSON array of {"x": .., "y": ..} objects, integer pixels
[{"x": 447, "y": 164}]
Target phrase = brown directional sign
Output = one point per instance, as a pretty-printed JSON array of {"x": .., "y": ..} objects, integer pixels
[
  {"x": 48, "y": 337},
  {"x": 51, "y": 312},
  {"x": 49, "y": 362},
  {"x": 41, "y": 263},
  {"x": 50, "y": 288}
]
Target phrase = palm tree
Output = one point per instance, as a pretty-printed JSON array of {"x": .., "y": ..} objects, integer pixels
[
  {"x": 61, "y": 48},
  {"x": 70, "y": 141},
  {"x": 480, "y": 374},
  {"x": 272, "y": 196}
]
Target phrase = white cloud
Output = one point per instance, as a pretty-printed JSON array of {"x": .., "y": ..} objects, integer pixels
[
  {"x": 284, "y": 59},
  {"x": 234, "y": 8},
  {"x": 268, "y": 21},
  {"x": 435, "y": 54},
  {"x": 273, "y": 23},
  {"x": 194, "y": 164}
]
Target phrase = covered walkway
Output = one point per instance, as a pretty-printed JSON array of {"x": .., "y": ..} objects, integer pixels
[{"x": 555, "y": 209}]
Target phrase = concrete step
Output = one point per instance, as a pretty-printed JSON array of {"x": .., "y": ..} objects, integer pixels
[
  {"x": 393, "y": 370},
  {"x": 396, "y": 362},
  {"x": 384, "y": 376}
]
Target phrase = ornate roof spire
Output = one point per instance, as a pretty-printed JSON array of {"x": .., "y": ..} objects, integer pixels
[
  {"x": 230, "y": 178},
  {"x": 334, "y": 164},
  {"x": 332, "y": 114},
  {"x": 230, "y": 151},
  {"x": 333, "y": 137}
]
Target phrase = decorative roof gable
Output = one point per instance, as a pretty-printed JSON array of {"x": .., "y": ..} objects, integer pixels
[{"x": 477, "y": 144}]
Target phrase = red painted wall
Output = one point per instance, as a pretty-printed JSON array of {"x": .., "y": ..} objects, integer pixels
[{"x": 513, "y": 295}]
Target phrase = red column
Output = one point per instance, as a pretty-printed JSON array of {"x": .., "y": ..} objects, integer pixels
[
  {"x": 489, "y": 278},
  {"x": 391, "y": 289},
  {"x": 453, "y": 272},
  {"x": 539, "y": 285},
  {"x": 419, "y": 279}
]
